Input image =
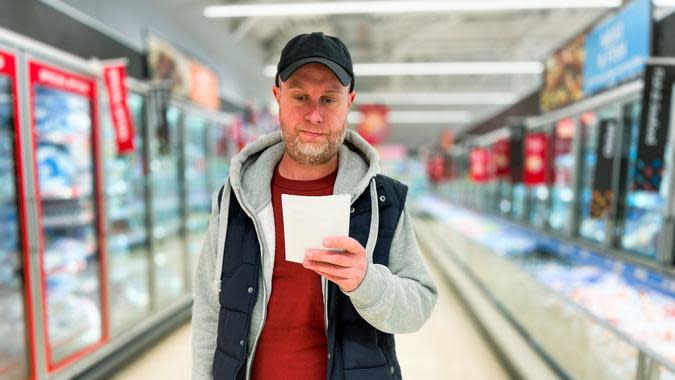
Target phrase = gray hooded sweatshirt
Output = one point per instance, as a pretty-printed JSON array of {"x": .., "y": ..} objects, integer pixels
[{"x": 397, "y": 298}]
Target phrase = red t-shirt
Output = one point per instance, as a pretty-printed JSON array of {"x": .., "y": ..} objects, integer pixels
[{"x": 293, "y": 341}]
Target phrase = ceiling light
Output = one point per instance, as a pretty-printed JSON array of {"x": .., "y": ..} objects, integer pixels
[
  {"x": 664, "y": 3},
  {"x": 448, "y": 68},
  {"x": 394, "y": 7},
  {"x": 419, "y": 117},
  {"x": 438, "y": 98},
  {"x": 437, "y": 68}
]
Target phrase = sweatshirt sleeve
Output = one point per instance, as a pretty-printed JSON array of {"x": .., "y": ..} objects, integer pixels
[
  {"x": 398, "y": 298},
  {"x": 206, "y": 304}
]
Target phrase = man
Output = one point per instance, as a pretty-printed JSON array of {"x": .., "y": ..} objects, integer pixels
[{"x": 259, "y": 316}]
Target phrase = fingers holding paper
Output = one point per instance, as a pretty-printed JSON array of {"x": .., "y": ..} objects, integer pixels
[{"x": 347, "y": 269}]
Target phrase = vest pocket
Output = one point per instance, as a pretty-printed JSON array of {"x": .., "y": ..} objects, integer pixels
[
  {"x": 237, "y": 250},
  {"x": 232, "y": 337},
  {"x": 374, "y": 373},
  {"x": 360, "y": 347}
]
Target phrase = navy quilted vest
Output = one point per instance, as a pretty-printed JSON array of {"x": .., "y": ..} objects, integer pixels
[{"x": 357, "y": 351}]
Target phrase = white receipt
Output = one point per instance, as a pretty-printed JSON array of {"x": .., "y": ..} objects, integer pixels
[{"x": 308, "y": 220}]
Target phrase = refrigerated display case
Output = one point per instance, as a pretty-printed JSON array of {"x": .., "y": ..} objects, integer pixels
[
  {"x": 562, "y": 188},
  {"x": 64, "y": 126},
  {"x": 127, "y": 220},
  {"x": 197, "y": 191},
  {"x": 14, "y": 327},
  {"x": 221, "y": 150},
  {"x": 167, "y": 240}
]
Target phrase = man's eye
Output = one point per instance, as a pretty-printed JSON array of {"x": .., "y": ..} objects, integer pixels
[
  {"x": 299, "y": 98},
  {"x": 328, "y": 100}
]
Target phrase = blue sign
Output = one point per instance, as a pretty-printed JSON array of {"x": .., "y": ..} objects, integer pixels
[{"x": 617, "y": 49}]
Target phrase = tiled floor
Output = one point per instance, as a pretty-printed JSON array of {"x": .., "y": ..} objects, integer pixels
[{"x": 447, "y": 347}]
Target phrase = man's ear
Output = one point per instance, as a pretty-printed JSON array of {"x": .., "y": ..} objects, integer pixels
[
  {"x": 276, "y": 91},
  {"x": 350, "y": 98}
]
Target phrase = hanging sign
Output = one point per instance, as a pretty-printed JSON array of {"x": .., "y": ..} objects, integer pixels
[
  {"x": 502, "y": 156},
  {"x": 481, "y": 170},
  {"x": 536, "y": 159},
  {"x": 604, "y": 165},
  {"x": 6, "y": 64},
  {"x": 517, "y": 150},
  {"x": 617, "y": 49},
  {"x": 203, "y": 86},
  {"x": 657, "y": 105},
  {"x": 374, "y": 126},
  {"x": 114, "y": 77},
  {"x": 565, "y": 130},
  {"x": 563, "y": 76}
]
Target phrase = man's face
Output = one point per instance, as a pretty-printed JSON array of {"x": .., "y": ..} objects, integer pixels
[{"x": 313, "y": 107}]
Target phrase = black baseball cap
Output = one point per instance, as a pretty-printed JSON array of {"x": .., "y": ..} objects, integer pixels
[{"x": 320, "y": 48}]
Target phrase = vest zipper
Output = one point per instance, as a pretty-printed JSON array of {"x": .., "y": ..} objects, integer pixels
[{"x": 249, "y": 361}]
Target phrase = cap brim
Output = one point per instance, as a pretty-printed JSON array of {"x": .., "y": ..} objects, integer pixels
[{"x": 341, "y": 74}]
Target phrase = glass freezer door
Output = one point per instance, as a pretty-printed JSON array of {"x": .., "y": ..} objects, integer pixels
[
  {"x": 63, "y": 115},
  {"x": 562, "y": 189},
  {"x": 643, "y": 219},
  {"x": 595, "y": 200},
  {"x": 220, "y": 148},
  {"x": 14, "y": 356},
  {"x": 167, "y": 232},
  {"x": 127, "y": 235},
  {"x": 197, "y": 192}
]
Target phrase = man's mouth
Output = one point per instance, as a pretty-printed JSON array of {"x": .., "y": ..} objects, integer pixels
[{"x": 312, "y": 134}]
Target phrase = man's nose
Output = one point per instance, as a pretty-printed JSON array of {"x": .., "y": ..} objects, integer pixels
[{"x": 314, "y": 115}]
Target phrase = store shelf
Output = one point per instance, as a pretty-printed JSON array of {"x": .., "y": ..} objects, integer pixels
[
  {"x": 166, "y": 230},
  {"x": 128, "y": 212},
  {"x": 65, "y": 194},
  {"x": 65, "y": 221},
  {"x": 124, "y": 241}
]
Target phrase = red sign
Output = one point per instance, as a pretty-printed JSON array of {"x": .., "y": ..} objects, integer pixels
[
  {"x": 562, "y": 151},
  {"x": 60, "y": 80},
  {"x": 114, "y": 77},
  {"x": 481, "y": 165},
  {"x": 435, "y": 168},
  {"x": 502, "y": 157},
  {"x": 7, "y": 64},
  {"x": 374, "y": 126},
  {"x": 536, "y": 159},
  {"x": 204, "y": 86}
]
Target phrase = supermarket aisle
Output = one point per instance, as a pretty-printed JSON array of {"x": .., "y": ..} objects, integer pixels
[
  {"x": 447, "y": 347},
  {"x": 170, "y": 359}
]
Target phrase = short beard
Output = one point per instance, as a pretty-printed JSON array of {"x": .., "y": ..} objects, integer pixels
[{"x": 313, "y": 153}]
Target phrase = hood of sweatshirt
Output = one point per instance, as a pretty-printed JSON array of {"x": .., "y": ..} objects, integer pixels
[{"x": 251, "y": 170}]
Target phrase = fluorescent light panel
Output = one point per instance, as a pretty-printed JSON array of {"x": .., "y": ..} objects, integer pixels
[
  {"x": 438, "y": 68},
  {"x": 396, "y": 7},
  {"x": 438, "y": 98},
  {"x": 419, "y": 117}
]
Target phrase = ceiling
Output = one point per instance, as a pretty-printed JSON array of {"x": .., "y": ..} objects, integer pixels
[{"x": 470, "y": 37}]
